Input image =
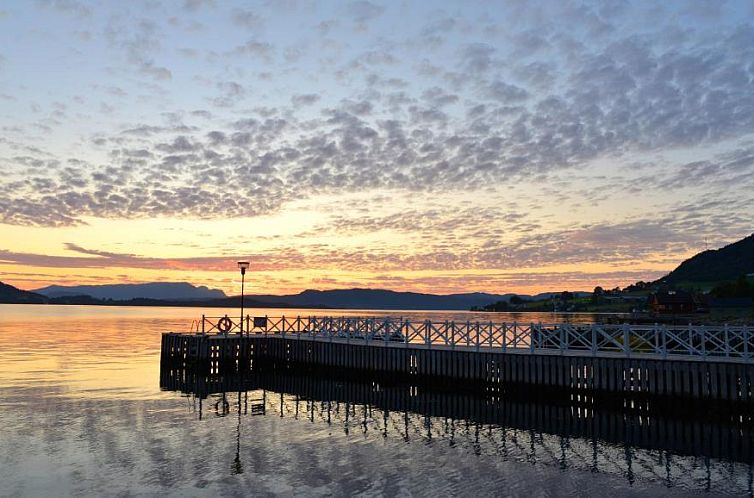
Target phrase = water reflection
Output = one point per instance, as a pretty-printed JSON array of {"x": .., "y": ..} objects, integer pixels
[
  {"x": 709, "y": 451},
  {"x": 52, "y": 345},
  {"x": 82, "y": 414}
]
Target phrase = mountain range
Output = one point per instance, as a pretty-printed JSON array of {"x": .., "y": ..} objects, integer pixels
[
  {"x": 178, "y": 291},
  {"x": 184, "y": 294}
]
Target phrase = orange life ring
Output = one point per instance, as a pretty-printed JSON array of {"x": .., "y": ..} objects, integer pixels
[{"x": 224, "y": 324}]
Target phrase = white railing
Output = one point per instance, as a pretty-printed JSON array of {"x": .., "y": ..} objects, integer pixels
[{"x": 698, "y": 341}]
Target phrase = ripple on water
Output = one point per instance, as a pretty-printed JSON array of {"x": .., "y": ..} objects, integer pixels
[{"x": 83, "y": 414}]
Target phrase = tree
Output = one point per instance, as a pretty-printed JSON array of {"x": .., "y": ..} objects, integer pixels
[
  {"x": 740, "y": 288},
  {"x": 597, "y": 294},
  {"x": 516, "y": 300}
]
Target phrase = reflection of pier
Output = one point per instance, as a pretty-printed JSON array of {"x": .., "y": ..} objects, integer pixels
[
  {"x": 633, "y": 440},
  {"x": 691, "y": 362}
]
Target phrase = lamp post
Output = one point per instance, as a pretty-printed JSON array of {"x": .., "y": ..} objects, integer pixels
[{"x": 243, "y": 265}]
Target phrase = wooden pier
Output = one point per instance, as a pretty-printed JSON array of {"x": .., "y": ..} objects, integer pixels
[{"x": 701, "y": 362}]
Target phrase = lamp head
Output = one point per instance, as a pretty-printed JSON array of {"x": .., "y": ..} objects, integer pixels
[{"x": 243, "y": 265}]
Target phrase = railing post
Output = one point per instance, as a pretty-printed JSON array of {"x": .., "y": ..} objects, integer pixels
[
  {"x": 563, "y": 342},
  {"x": 657, "y": 340},
  {"x": 477, "y": 336},
  {"x": 427, "y": 333},
  {"x": 727, "y": 342},
  {"x": 203, "y": 318},
  {"x": 745, "y": 333},
  {"x": 531, "y": 337},
  {"x": 626, "y": 340},
  {"x": 594, "y": 340},
  {"x": 505, "y": 336},
  {"x": 704, "y": 342},
  {"x": 664, "y": 341}
]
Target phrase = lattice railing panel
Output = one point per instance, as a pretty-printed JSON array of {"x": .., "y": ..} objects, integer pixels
[{"x": 659, "y": 340}]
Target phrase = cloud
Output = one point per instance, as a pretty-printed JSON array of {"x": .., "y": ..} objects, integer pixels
[
  {"x": 305, "y": 99},
  {"x": 435, "y": 32},
  {"x": 476, "y": 58},
  {"x": 504, "y": 92},
  {"x": 324, "y": 27},
  {"x": 433, "y": 221},
  {"x": 231, "y": 93},
  {"x": 193, "y": 5},
  {"x": 729, "y": 170},
  {"x": 104, "y": 259},
  {"x": 76, "y": 248},
  {"x": 439, "y": 97},
  {"x": 157, "y": 72},
  {"x": 247, "y": 18},
  {"x": 363, "y": 11},
  {"x": 71, "y": 7},
  {"x": 139, "y": 41},
  {"x": 255, "y": 48}
]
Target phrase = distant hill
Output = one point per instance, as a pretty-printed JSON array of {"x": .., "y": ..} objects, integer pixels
[
  {"x": 727, "y": 263},
  {"x": 380, "y": 299},
  {"x": 172, "y": 291},
  {"x": 390, "y": 300},
  {"x": 10, "y": 294}
]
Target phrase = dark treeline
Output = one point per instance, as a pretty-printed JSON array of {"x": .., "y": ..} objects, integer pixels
[{"x": 743, "y": 287}]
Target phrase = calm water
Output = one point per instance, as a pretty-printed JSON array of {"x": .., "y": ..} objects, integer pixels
[{"x": 82, "y": 413}]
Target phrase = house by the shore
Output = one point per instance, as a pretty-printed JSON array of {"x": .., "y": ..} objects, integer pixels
[{"x": 674, "y": 302}]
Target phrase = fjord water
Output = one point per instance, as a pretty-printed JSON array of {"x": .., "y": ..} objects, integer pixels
[{"x": 82, "y": 413}]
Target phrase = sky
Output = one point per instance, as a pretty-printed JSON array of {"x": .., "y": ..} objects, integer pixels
[{"x": 431, "y": 146}]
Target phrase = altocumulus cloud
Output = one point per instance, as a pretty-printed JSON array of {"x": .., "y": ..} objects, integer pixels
[{"x": 452, "y": 103}]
